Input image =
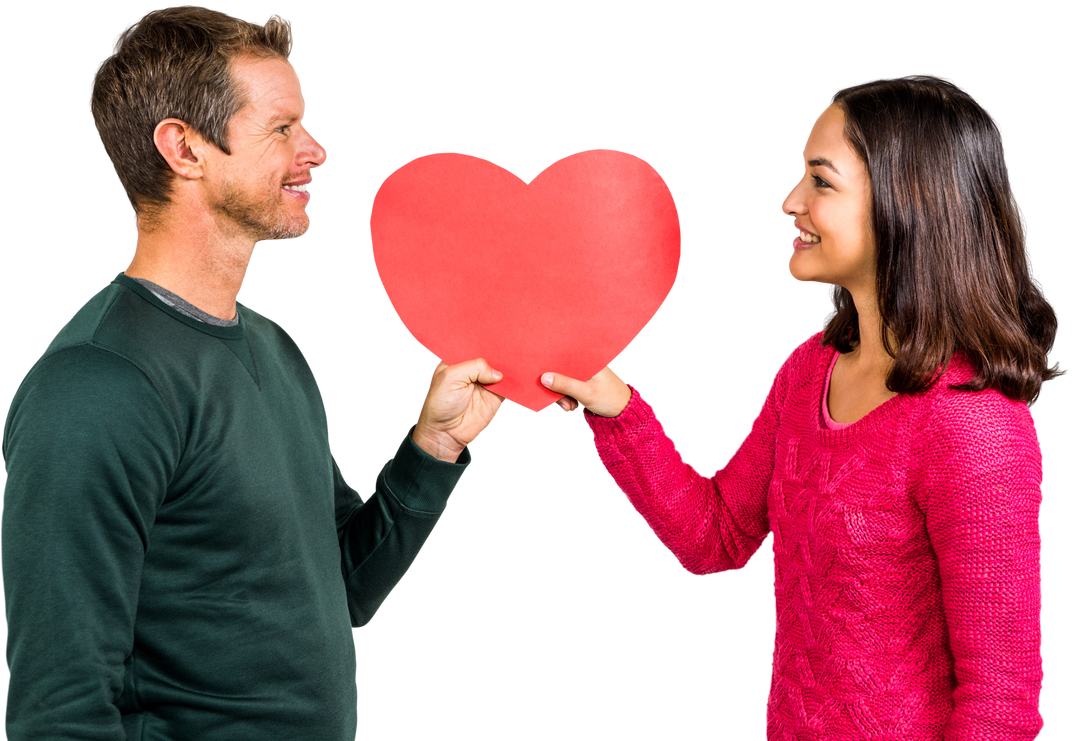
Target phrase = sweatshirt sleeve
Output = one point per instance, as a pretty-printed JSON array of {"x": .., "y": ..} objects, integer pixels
[
  {"x": 981, "y": 494},
  {"x": 380, "y": 537},
  {"x": 89, "y": 447},
  {"x": 710, "y": 524}
]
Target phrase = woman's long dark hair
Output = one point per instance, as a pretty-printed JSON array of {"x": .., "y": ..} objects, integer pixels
[{"x": 952, "y": 271}]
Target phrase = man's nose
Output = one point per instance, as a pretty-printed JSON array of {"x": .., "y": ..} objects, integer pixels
[{"x": 321, "y": 152}]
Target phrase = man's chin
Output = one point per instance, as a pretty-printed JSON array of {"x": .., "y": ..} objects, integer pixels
[{"x": 290, "y": 230}]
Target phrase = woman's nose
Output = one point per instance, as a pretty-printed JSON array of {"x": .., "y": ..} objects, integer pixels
[{"x": 792, "y": 202}]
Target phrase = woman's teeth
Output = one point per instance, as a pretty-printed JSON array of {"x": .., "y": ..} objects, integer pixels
[{"x": 807, "y": 237}]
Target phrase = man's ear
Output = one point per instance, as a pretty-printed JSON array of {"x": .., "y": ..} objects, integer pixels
[{"x": 180, "y": 146}]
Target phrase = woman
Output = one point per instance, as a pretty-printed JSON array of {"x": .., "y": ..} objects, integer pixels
[{"x": 895, "y": 461}]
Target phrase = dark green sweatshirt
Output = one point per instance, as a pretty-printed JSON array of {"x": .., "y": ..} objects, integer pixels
[{"x": 181, "y": 555}]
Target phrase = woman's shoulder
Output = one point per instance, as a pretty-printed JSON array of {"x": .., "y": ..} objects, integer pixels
[
  {"x": 809, "y": 349},
  {"x": 983, "y": 427},
  {"x": 806, "y": 363}
]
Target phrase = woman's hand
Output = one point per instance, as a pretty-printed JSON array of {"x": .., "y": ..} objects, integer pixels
[{"x": 604, "y": 394}]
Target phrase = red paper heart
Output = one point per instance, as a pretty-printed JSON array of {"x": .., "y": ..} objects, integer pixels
[{"x": 558, "y": 274}]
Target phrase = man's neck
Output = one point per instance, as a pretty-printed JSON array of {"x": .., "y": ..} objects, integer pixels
[{"x": 194, "y": 259}]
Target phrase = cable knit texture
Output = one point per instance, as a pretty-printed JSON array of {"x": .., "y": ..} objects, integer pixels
[{"x": 906, "y": 552}]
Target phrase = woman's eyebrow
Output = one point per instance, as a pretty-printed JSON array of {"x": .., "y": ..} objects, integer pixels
[{"x": 822, "y": 162}]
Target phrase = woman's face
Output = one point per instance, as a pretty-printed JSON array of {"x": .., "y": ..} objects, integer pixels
[{"x": 832, "y": 210}]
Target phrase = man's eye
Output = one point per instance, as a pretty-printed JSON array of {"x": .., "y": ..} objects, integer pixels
[{"x": 282, "y": 129}]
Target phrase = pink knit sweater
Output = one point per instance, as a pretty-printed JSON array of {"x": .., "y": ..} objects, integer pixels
[{"x": 906, "y": 551}]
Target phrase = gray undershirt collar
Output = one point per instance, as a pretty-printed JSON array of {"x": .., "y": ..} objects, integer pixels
[{"x": 172, "y": 300}]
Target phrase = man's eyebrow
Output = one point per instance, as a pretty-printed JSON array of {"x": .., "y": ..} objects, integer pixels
[
  {"x": 283, "y": 118},
  {"x": 822, "y": 162}
]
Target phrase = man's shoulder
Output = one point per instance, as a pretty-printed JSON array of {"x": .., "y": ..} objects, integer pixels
[{"x": 117, "y": 343}]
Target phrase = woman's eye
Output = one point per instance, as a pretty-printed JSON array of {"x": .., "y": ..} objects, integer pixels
[{"x": 818, "y": 183}]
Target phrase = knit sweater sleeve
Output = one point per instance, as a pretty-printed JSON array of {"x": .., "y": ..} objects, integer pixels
[
  {"x": 710, "y": 524},
  {"x": 981, "y": 471}
]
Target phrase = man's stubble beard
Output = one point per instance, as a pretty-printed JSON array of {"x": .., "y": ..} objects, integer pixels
[{"x": 261, "y": 219}]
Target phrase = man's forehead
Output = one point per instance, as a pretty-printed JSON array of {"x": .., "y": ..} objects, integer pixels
[{"x": 269, "y": 87}]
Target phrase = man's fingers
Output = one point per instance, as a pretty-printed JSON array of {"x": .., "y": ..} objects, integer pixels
[
  {"x": 487, "y": 374},
  {"x": 476, "y": 369}
]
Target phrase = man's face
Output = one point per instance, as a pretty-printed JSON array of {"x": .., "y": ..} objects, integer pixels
[{"x": 260, "y": 189}]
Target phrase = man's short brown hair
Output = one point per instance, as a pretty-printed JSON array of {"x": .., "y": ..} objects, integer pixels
[{"x": 174, "y": 63}]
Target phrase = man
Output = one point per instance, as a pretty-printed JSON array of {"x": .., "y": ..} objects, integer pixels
[{"x": 181, "y": 556}]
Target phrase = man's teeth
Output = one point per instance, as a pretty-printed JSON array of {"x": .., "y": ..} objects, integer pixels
[
  {"x": 297, "y": 188},
  {"x": 807, "y": 237}
]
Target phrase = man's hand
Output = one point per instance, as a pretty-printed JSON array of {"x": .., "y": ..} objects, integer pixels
[{"x": 457, "y": 408}]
